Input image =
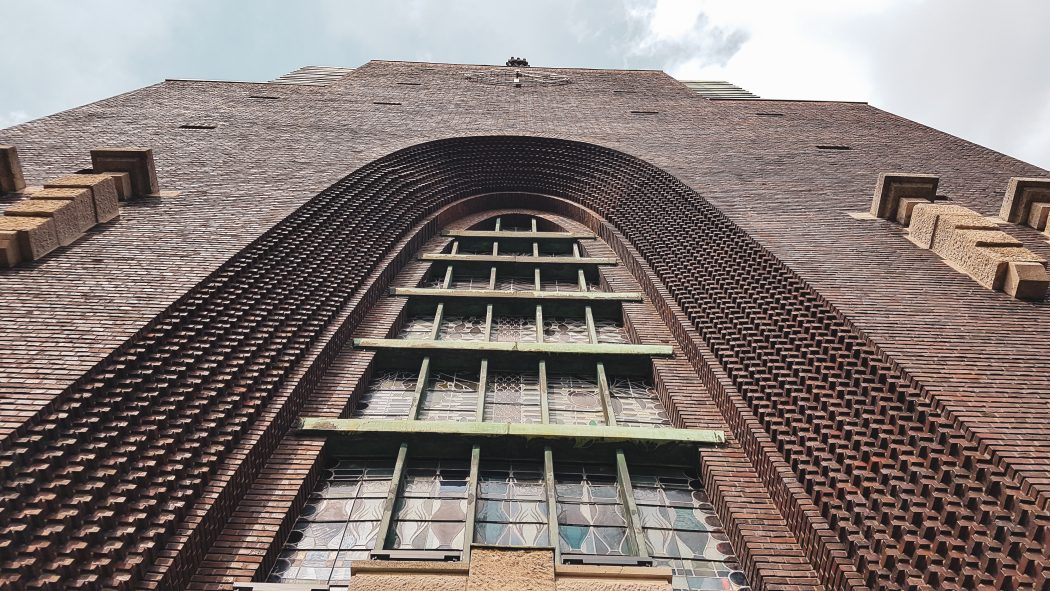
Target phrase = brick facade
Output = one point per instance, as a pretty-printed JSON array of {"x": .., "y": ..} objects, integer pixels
[{"x": 887, "y": 413}]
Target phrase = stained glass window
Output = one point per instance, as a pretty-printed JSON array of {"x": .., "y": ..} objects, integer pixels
[
  {"x": 559, "y": 284},
  {"x": 512, "y": 504},
  {"x": 574, "y": 400},
  {"x": 682, "y": 531},
  {"x": 338, "y": 524},
  {"x": 591, "y": 517},
  {"x": 462, "y": 328},
  {"x": 635, "y": 403},
  {"x": 565, "y": 330},
  {"x": 417, "y": 328},
  {"x": 510, "y": 329},
  {"x": 610, "y": 331},
  {"x": 430, "y": 513},
  {"x": 509, "y": 282},
  {"x": 450, "y": 396},
  {"x": 512, "y": 397},
  {"x": 389, "y": 396},
  {"x": 462, "y": 280}
]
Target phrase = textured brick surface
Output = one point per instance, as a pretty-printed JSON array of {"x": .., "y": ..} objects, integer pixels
[{"x": 912, "y": 435}]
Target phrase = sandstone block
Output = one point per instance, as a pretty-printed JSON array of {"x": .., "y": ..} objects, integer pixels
[
  {"x": 1021, "y": 193},
  {"x": 10, "y": 253},
  {"x": 11, "y": 179},
  {"x": 36, "y": 235},
  {"x": 1026, "y": 280},
  {"x": 103, "y": 193},
  {"x": 892, "y": 187},
  {"x": 122, "y": 182},
  {"x": 137, "y": 162},
  {"x": 927, "y": 219},
  {"x": 905, "y": 206},
  {"x": 1038, "y": 214},
  {"x": 67, "y": 226},
  {"x": 83, "y": 206}
]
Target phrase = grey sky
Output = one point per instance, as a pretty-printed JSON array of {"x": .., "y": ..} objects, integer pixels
[{"x": 974, "y": 68}]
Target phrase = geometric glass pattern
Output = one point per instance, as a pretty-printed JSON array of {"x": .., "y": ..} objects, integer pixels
[
  {"x": 574, "y": 400},
  {"x": 559, "y": 285},
  {"x": 681, "y": 530},
  {"x": 509, "y": 282},
  {"x": 431, "y": 510},
  {"x": 469, "y": 281},
  {"x": 450, "y": 396},
  {"x": 388, "y": 396},
  {"x": 462, "y": 328},
  {"x": 338, "y": 524},
  {"x": 512, "y": 504},
  {"x": 514, "y": 329},
  {"x": 565, "y": 330},
  {"x": 635, "y": 403},
  {"x": 512, "y": 397},
  {"x": 610, "y": 331},
  {"x": 417, "y": 328},
  {"x": 591, "y": 517}
]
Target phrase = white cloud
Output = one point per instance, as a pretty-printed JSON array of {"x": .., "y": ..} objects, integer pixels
[{"x": 13, "y": 118}]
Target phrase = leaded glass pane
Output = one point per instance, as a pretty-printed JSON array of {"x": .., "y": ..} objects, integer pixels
[
  {"x": 514, "y": 329},
  {"x": 591, "y": 517},
  {"x": 462, "y": 280},
  {"x": 574, "y": 400},
  {"x": 512, "y": 505},
  {"x": 565, "y": 330},
  {"x": 388, "y": 396},
  {"x": 338, "y": 524},
  {"x": 462, "y": 328},
  {"x": 417, "y": 328},
  {"x": 681, "y": 530},
  {"x": 512, "y": 397},
  {"x": 508, "y": 282},
  {"x": 610, "y": 331},
  {"x": 450, "y": 396},
  {"x": 559, "y": 284},
  {"x": 430, "y": 513},
  {"x": 635, "y": 403}
]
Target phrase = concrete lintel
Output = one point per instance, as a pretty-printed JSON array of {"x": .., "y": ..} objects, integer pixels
[
  {"x": 515, "y": 259},
  {"x": 502, "y": 347},
  {"x": 518, "y": 235},
  {"x": 495, "y": 294},
  {"x": 642, "y": 435}
]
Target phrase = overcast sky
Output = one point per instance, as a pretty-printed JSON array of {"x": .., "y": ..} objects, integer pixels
[{"x": 977, "y": 68}]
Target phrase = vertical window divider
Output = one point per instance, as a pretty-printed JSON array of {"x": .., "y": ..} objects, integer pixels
[
  {"x": 581, "y": 275},
  {"x": 634, "y": 519},
  {"x": 447, "y": 281},
  {"x": 438, "y": 317},
  {"x": 539, "y": 323},
  {"x": 488, "y": 322},
  {"x": 391, "y": 498},
  {"x": 536, "y": 279},
  {"x": 552, "y": 503},
  {"x": 421, "y": 384},
  {"x": 455, "y": 247},
  {"x": 497, "y": 224},
  {"x": 545, "y": 411},
  {"x": 483, "y": 376},
  {"x": 592, "y": 331},
  {"x": 606, "y": 397},
  {"x": 472, "y": 496},
  {"x": 534, "y": 225}
]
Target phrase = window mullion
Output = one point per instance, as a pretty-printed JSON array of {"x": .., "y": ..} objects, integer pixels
[
  {"x": 488, "y": 322},
  {"x": 391, "y": 498},
  {"x": 455, "y": 247},
  {"x": 545, "y": 412},
  {"x": 447, "y": 281},
  {"x": 552, "y": 503},
  {"x": 606, "y": 398},
  {"x": 483, "y": 375},
  {"x": 539, "y": 323},
  {"x": 438, "y": 317},
  {"x": 497, "y": 224},
  {"x": 592, "y": 331},
  {"x": 421, "y": 384},
  {"x": 634, "y": 519},
  {"x": 472, "y": 495}
]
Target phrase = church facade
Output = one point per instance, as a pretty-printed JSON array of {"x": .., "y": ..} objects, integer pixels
[{"x": 445, "y": 326}]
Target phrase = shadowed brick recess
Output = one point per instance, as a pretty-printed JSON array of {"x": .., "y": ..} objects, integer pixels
[{"x": 883, "y": 406}]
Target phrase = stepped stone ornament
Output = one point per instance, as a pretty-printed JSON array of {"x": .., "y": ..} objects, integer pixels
[
  {"x": 1027, "y": 202},
  {"x": 11, "y": 180}
]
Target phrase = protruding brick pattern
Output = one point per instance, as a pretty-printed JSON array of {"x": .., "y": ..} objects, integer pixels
[{"x": 125, "y": 454}]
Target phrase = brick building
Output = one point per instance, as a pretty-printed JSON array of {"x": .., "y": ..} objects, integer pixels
[{"x": 471, "y": 327}]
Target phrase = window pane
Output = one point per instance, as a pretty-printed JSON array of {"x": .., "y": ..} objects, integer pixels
[
  {"x": 473, "y": 280},
  {"x": 635, "y": 403},
  {"x": 682, "y": 531},
  {"x": 565, "y": 330},
  {"x": 512, "y": 504},
  {"x": 462, "y": 328},
  {"x": 417, "y": 328},
  {"x": 610, "y": 331},
  {"x": 591, "y": 517},
  {"x": 511, "y": 329},
  {"x": 512, "y": 397},
  {"x": 450, "y": 396},
  {"x": 517, "y": 282},
  {"x": 388, "y": 396},
  {"x": 338, "y": 524},
  {"x": 574, "y": 400},
  {"x": 430, "y": 512}
]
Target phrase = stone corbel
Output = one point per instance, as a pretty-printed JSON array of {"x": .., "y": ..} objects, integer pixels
[{"x": 1027, "y": 202}]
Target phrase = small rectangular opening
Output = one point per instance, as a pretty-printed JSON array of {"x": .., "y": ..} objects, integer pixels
[
  {"x": 384, "y": 103},
  {"x": 408, "y": 83},
  {"x": 770, "y": 114},
  {"x": 834, "y": 148},
  {"x": 263, "y": 96},
  {"x": 625, "y": 92},
  {"x": 644, "y": 112},
  {"x": 197, "y": 127}
]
